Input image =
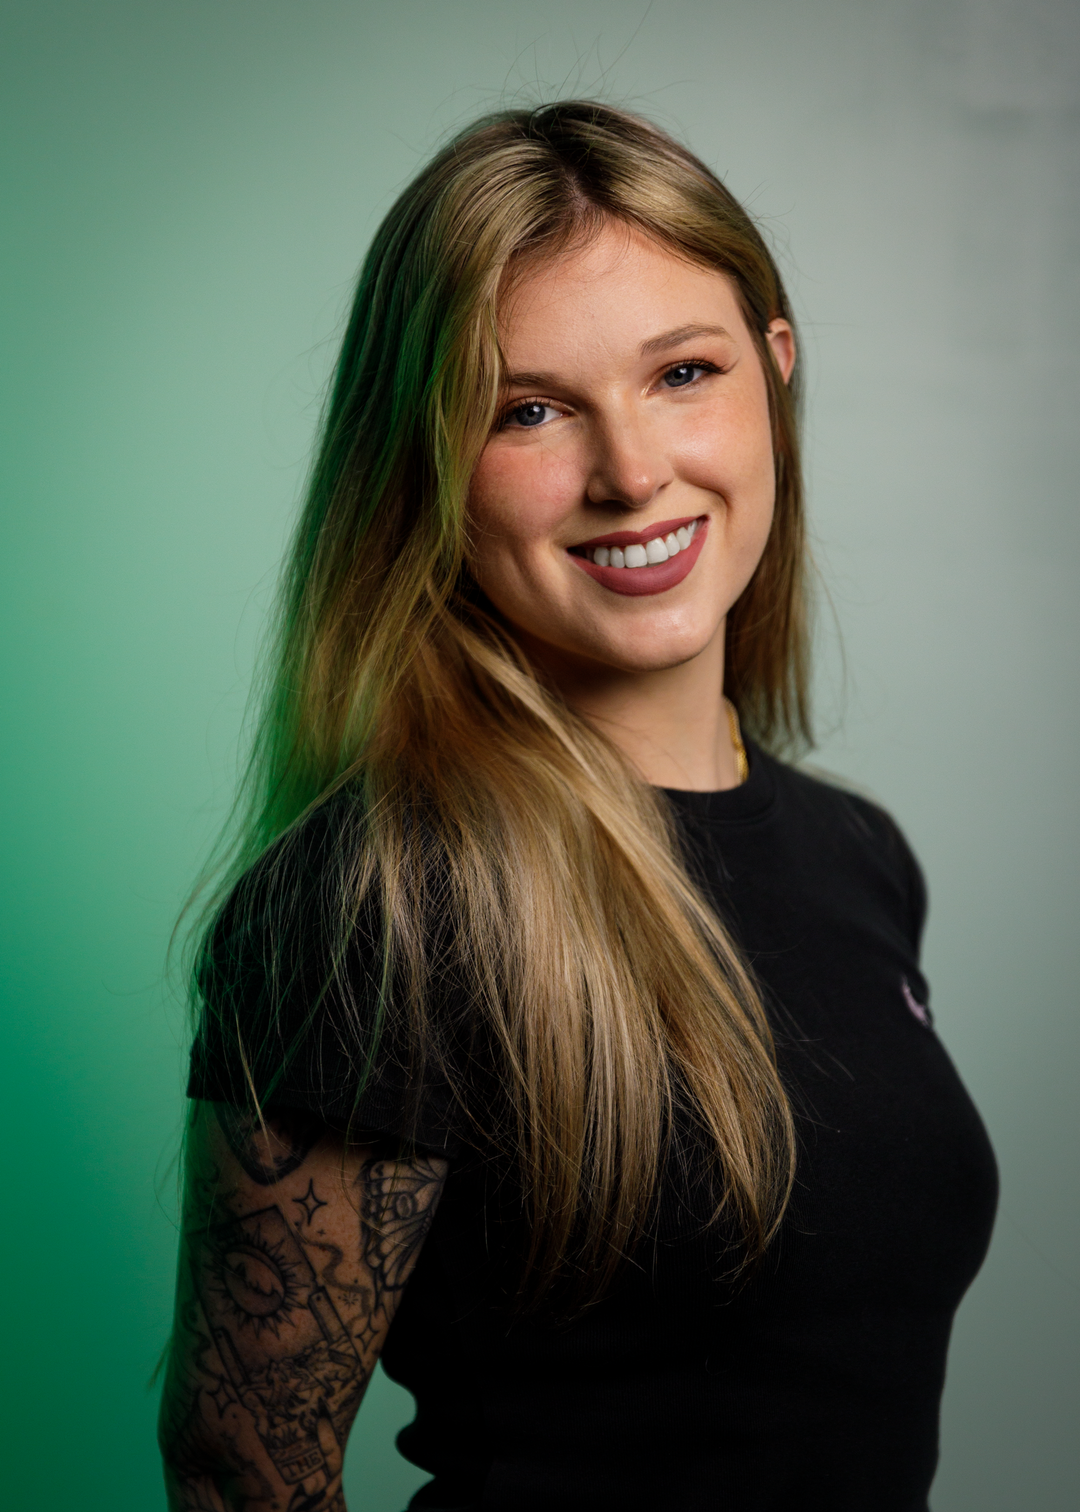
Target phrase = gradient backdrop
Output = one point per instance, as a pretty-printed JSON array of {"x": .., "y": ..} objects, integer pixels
[{"x": 189, "y": 188}]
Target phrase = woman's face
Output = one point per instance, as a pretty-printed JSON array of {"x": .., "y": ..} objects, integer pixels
[{"x": 633, "y": 426}]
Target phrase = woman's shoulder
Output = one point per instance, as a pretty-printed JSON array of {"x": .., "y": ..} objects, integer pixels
[
  {"x": 852, "y": 827},
  {"x": 305, "y": 852},
  {"x": 833, "y": 798},
  {"x": 293, "y": 931},
  {"x": 292, "y": 893},
  {"x": 297, "y": 1003}
]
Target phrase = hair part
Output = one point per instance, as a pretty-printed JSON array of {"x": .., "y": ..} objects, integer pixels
[{"x": 603, "y": 989}]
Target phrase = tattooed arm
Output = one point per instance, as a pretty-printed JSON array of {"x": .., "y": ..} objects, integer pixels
[{"x": 294, "y": 1253}]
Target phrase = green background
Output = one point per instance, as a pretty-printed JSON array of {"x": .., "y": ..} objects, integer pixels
[{"x": 188, "y": 190}]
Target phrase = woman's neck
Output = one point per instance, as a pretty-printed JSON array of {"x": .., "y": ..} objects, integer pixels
[{"x": 673, "y": 723}]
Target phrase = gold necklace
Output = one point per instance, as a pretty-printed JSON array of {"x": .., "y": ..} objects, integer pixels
[{"x": 742, "y": 763}]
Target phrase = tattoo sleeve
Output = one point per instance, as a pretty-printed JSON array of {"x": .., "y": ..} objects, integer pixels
[{"x": 294, "y": 1254}]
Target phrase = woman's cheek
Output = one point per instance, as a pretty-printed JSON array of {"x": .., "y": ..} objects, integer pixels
[
  {"x": 710, "y": 451},
  {"x": 548, "y": 487},
  {"x": 520, "y": 491}
]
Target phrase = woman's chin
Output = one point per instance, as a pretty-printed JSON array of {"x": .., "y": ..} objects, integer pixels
[
  {"x": 658, "y": 661},
  {"x": 670, "y": 642},
  {"x": 620, "y": 645},
  {"x": 644, "y": 654}
]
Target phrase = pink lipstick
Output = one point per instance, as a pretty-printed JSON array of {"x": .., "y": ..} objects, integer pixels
[{"x": 636, "y": 563}]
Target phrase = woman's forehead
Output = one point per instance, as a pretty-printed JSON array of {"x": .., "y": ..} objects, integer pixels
[{"x": 619, "y": 284}]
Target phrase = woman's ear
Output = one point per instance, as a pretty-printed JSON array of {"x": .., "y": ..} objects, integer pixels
[{"x": 781, "y": 339}]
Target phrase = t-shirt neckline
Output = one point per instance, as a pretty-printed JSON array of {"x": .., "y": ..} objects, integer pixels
[{"x": 750, "y": 801}]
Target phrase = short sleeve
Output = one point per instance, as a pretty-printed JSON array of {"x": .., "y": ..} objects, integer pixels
[
  {"x": 881, "y": 840},
  {"x": 918, "y": 901},
  {"x": 296, "y": 1013},
  {"x": 909, "y": 877}
]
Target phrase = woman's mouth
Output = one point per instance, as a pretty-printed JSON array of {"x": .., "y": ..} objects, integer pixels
[{"x": 639, "y": 562}]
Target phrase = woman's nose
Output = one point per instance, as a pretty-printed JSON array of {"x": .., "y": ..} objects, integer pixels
[{"x": 629, "y": 464}]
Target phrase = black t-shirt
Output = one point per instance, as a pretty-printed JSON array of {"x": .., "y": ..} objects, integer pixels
[{"x": 814, "y": 1381}]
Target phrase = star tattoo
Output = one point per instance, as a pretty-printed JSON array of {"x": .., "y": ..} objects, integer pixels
[
  {"x": 223, "y": 1395},
  {"x": 309, "y": 1202}
]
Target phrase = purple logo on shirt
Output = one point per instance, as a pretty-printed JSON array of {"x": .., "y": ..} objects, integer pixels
[{"x": 920, "y": 1010}]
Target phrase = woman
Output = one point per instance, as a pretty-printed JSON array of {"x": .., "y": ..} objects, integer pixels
[{"x": 557, "y": 1045}]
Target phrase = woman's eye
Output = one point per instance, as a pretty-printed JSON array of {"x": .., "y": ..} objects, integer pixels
[
  {"x": 684, "y": 373},
  {"x": 529, "y": 415}
]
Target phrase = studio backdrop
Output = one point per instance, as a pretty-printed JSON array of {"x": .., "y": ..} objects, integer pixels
[{"x": 189, "y": 186}]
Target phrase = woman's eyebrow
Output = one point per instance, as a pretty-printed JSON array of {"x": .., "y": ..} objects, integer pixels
[
  {"x": 654, "y": 344},
  {"x": 528, "y": 380},
  {"x": 679, "y": 334}
]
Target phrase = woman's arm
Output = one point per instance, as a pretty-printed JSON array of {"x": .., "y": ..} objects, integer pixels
[{"x": 294, "y": 1252}]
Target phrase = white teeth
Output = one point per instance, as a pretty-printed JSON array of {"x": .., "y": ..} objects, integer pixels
[{"x": 659, "y": 549}]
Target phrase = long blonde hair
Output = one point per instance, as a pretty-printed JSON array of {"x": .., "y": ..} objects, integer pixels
[{"x": 602, "y": 988}]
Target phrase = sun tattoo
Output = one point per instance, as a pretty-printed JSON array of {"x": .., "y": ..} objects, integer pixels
[
  {"x": 255, "y": 1273},
  {"x": 285, "y": 1352}
]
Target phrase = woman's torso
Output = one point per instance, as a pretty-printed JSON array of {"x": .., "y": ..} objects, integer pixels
[
  {"x": 814, "y": 1381},
  {"x": 811, "y": 1381}
]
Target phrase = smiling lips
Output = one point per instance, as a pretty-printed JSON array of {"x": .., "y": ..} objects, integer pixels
[{"x": 640, "y": 562}]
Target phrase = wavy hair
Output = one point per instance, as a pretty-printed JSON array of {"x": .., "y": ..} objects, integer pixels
[{"x": 601, "y": 985}]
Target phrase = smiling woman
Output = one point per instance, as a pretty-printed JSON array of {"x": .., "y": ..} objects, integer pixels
[
  {"x": 617, "y": 409},
  {"x": 554, "y": 1041}
]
